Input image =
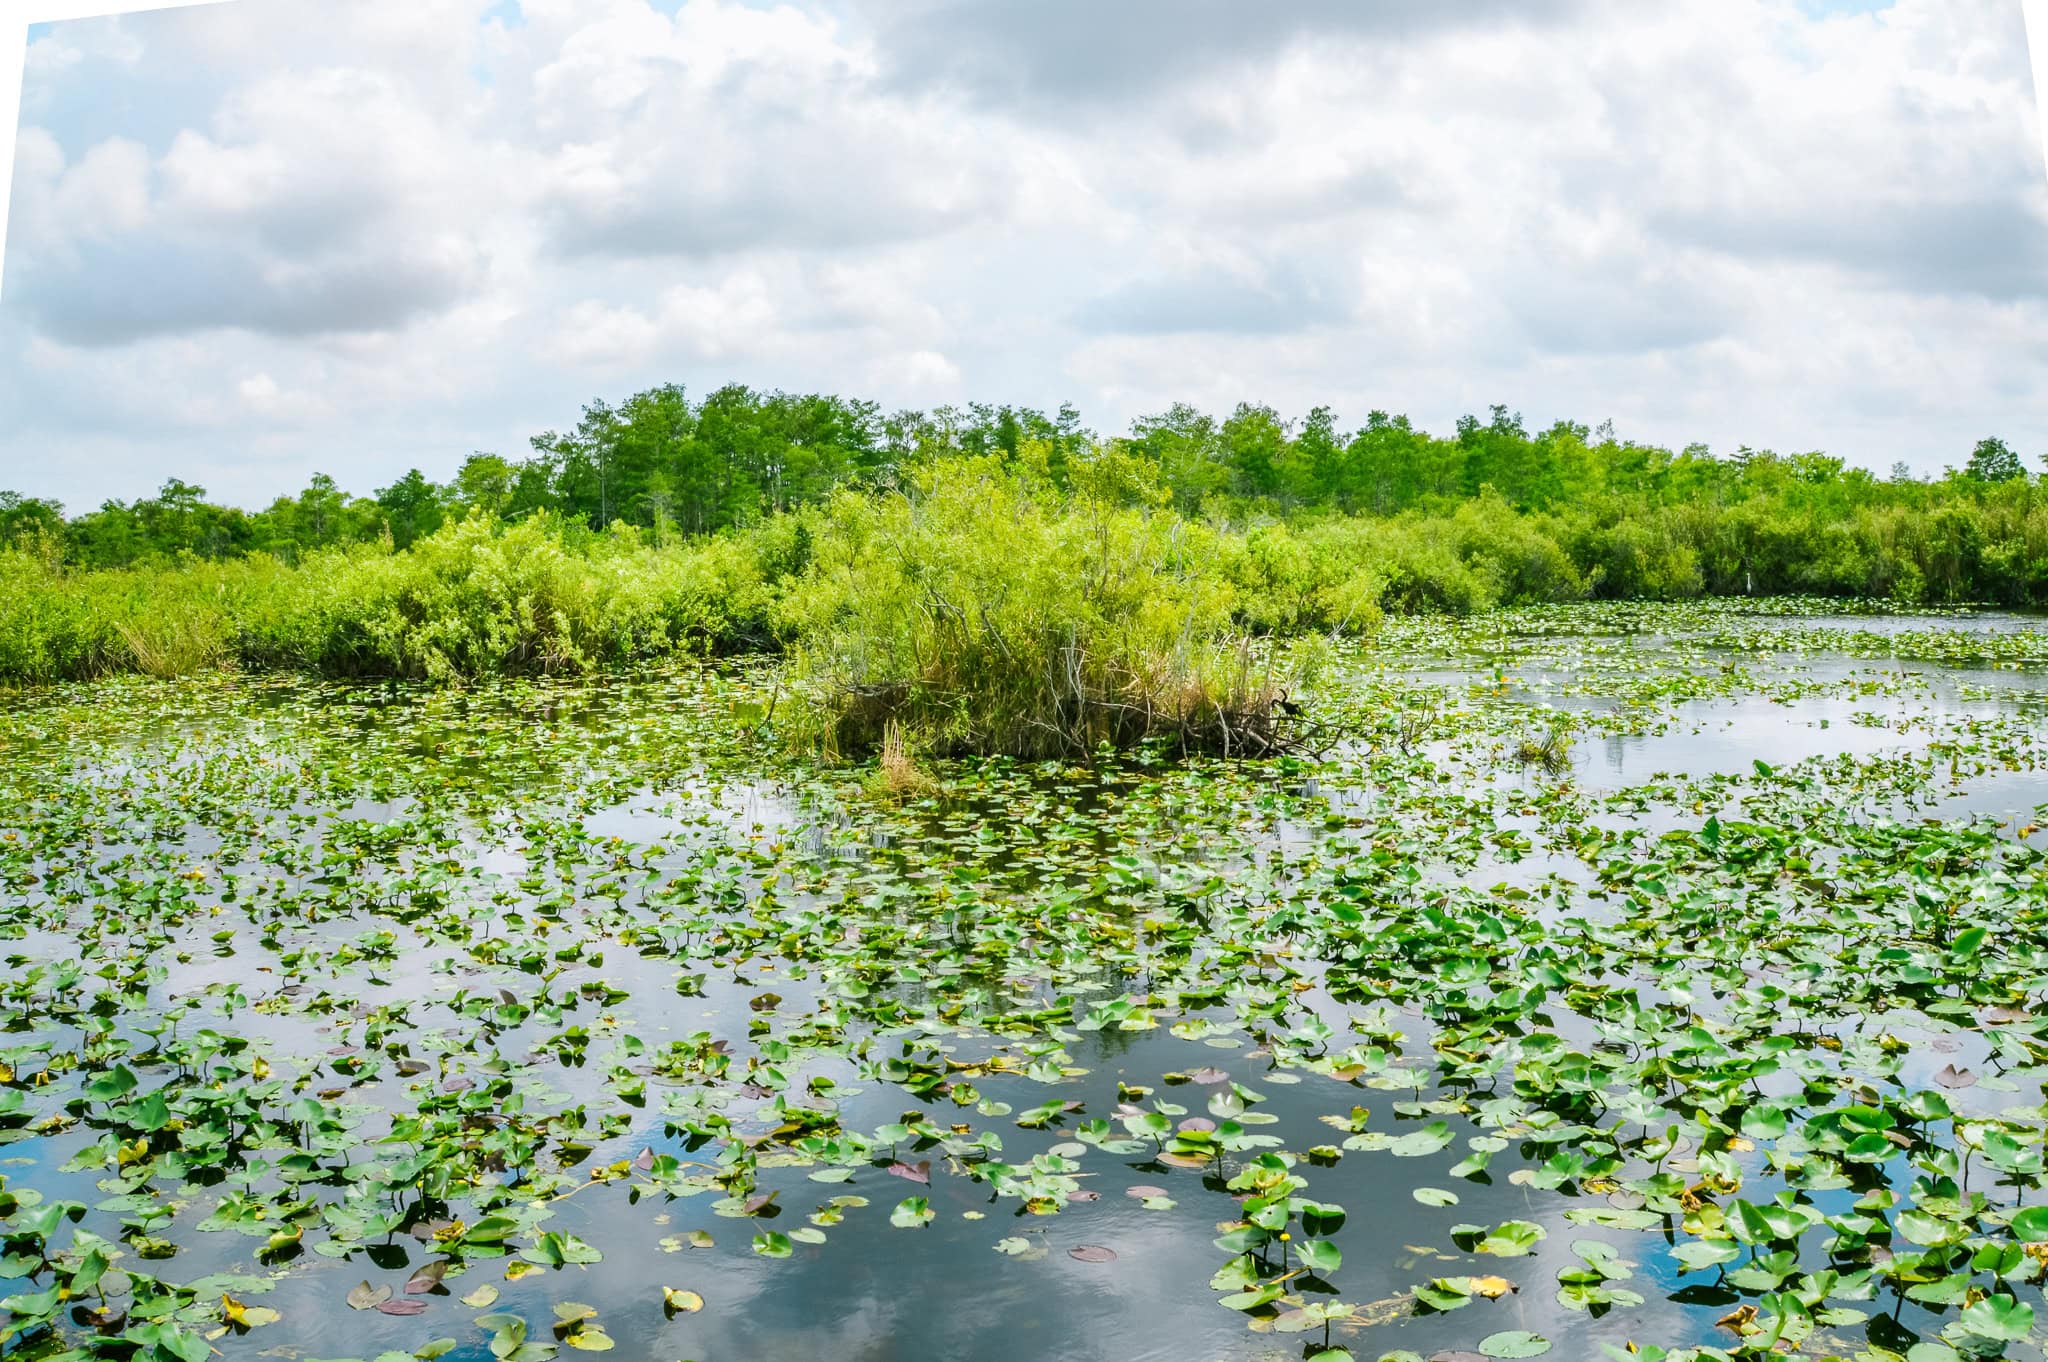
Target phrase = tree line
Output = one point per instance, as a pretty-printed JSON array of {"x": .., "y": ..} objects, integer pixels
[{"x": 677, "y": 468}]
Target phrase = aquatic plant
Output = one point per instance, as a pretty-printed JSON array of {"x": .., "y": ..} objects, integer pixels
[
  {"x": 1551, "y": 748},
  {"x": 548, "y": 1012}
]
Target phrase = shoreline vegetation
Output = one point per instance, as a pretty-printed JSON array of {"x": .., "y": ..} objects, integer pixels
[{"x": 994, "y": 582}]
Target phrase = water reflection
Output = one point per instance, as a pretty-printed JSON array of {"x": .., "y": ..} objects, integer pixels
[{"x": 873, "y": 1291}]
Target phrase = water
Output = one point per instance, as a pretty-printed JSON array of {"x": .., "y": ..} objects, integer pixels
[{"x": 390, "y": 899}]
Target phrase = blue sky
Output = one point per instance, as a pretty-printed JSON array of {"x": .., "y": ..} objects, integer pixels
[{"x": 262, "y": 239}]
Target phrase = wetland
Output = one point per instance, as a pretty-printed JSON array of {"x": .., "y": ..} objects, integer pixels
[{"x": 1659, "y": 981}]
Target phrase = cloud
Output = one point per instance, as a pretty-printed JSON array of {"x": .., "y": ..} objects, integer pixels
[
  {"x": 731, "y": 128},
  {"x": 1616, "y": 313},
  {"x": 1992, "y": 247},
  {"x": 256, "y": 239},
  {"x": 1897, "y": 148},
  {"x": 179, "y": 284},
  {"x": 264, "y": 400},
  {"x": 1262, "y": 302},
  {"x": 829, "y": 178},
  {"x": 1057, "y": 52},
  {"x": 105, "y": 193},
  {"x": 704, "y": 323},
  {"x": 931, "y": 372},
  {"x": 317, "y": 203}
]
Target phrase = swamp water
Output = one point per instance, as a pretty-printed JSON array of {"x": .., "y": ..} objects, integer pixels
[{"x": 1653, "y": 977}]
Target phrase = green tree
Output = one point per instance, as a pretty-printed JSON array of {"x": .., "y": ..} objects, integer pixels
[
  {"x": 26, "y": 519},
  {"x": 1499, "y": 455},
  {"x": 413, "y": 508},
  {"x": 323, "y": 510},
  {"x": 1255, "y": 446},
  {"x": 321, "y": 515},
  {"x": 1184, "y": 443},
  {"x": 1396, "y": 466},
  {"x": 1994, "y": 461},
  {"x": 485, "y": 482},
  {"x": 1318, "y": 462}
]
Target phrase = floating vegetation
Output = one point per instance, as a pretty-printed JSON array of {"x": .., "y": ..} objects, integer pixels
[
  {"x": 1551, "y": 749},
  {"x": 553, "y": 1016}
]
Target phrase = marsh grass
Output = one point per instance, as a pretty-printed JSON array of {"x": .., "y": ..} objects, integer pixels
[
  {"x": 176, "y": 644},
  {"x": 477, "y": 600},
  {"x": 982, "y": 612},
  {"x": 1551, "y": 749},
  {"x": 986, "y": 605}
]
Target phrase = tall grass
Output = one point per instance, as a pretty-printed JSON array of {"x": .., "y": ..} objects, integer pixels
[
  {"x": 56, "y": 626},
  {"x": 983, "y": 611}
]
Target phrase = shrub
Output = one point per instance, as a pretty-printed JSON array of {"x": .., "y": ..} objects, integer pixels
[
  {"x": 42, "y": 637},
  {"x": 985, "y": 612},
  {"x": 478, "y": 599},
  {"x": 1423, "y": 573},
  {"x": 1026, "y": 604},
  {"x": 1320, "y": 577},
  {"x": 1634, "y": 559},
  {"x": 60, "y": 626},
  {"x": 1514, "y": 553}
]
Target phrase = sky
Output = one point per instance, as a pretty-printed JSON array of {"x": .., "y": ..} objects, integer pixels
[{"x": 268, "y": 238}]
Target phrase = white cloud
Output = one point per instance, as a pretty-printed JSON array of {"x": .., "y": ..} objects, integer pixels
[
  {"x": 929, "y": 372},
  {"x": 732, "y": 129},
  {"x": 265, "y": 400},
  {"x": 104, "y": 194},
  {"x": 383, "y": 234},
  {"x": 697, "y": 323}
]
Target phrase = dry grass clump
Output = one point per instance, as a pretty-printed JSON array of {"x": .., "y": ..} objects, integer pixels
[{"x": 897, "y": 775}]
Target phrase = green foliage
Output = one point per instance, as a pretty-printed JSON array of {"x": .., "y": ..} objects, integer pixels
[
  {"x": 1079, "y": 541},
  {"x": 1994, "y": 461},
  {"x": 475, "y": 599},
  {"x": 59, "y": 626},
  {"x": 987, "y": 611},
  {"x": 480, "y": 599},
  {"x": 659, "y": 525}
]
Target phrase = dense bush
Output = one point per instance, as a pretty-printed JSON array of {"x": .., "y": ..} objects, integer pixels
[
  {"x": 980, "y": 609},
  {"x": 56, "y": 626},
  {"x": 970, "y": 587},
  {"x": 1324, "y": 576},
  {"x": 1624, "y": 558},
  {"x": 480, "y": 599},
  {"x": 475, "y": 599}
]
